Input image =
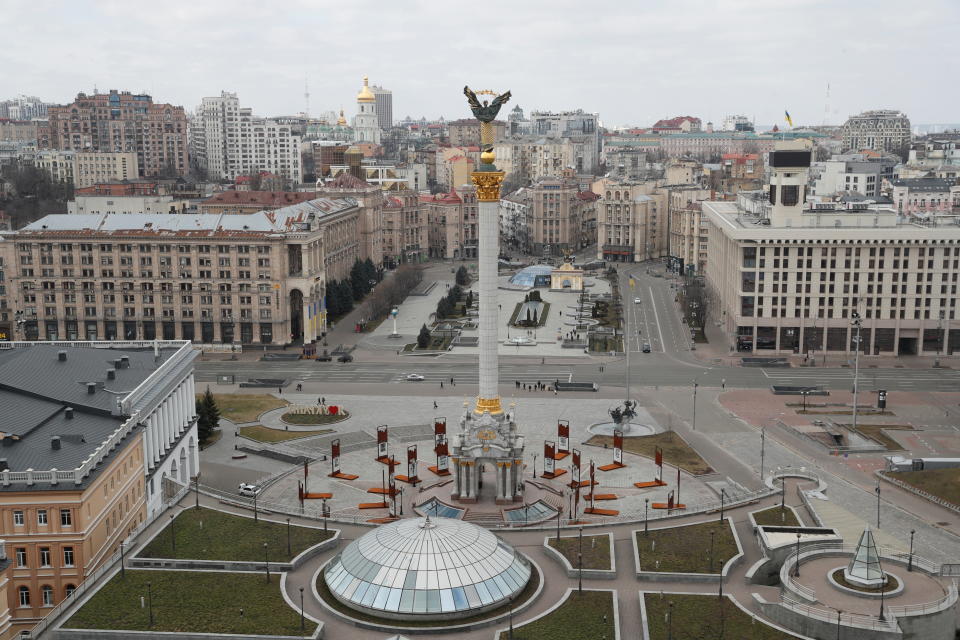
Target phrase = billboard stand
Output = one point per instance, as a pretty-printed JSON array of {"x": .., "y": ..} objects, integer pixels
[
  {"x": 550, "y": 470},
  {"x": 335, "y": 471},
  {"x": 617, "y": 453}
]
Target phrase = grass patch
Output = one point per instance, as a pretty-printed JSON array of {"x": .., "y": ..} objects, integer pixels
[
  {"x": 580, "y": 617},
  {"x": 242, "y": 407},
  {"x": 703, "y": 616},
  {"x": 525, "y": 594},
  {"x": 596, "y": 551},
  {"x": 191, "y": 602},
  {"x": 776, "y": 517},
  {"x": 541, "y": 317},
  {"x": 943, "y": 483},
  {"x": 605, "y": 344},
  {"x": 687, "y": 549},
  {"x": 891, "y": 585},
  {"x": 261, "y": 433},
  {"x": 676, "y": 451},
  {"x": 314, "y": 418},
  {"x": 224, "y": 536}
]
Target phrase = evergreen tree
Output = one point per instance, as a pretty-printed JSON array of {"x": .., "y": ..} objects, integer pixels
[
  {"x": 370, "y": 271},
  {"x": 208, "y": 416},
  {"x": 423, "y": 339},
  {"x": 463, "y": 276},
  {"x": 528, "y": 316},
  {"x": 357, "y": 281},
  {"x": 535, "y": 317}
]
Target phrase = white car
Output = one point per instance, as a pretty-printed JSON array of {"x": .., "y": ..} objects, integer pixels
[
  {"x": 637, "y": 301},
  {"x": 415, "y": 377},
  {"x": 248, "y": 490}
]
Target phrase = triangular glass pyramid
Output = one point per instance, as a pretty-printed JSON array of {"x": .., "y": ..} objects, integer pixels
[{"x": 864, "y": 567}]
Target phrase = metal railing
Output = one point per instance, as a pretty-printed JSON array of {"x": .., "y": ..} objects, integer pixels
[
  {"x": 105, "y": 569},
  {"x": 831, "y": 615},
  {"x": 948, "y": 600}
]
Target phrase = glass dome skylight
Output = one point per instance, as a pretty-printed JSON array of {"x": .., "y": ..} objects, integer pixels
[{"x": 427, "y": 567}]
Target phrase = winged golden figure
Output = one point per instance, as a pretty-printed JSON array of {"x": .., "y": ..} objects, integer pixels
[{"x": 487, "y": 111}]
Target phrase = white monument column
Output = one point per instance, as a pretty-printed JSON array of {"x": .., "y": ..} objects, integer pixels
[{"x": 456, "y": 477}]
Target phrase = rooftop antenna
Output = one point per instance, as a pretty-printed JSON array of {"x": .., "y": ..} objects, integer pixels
[
  {"x": 306, "y": 96},
  {"x": 826, "y": 106}
]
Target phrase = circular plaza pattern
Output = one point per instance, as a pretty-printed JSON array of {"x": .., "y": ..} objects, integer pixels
[{"x": 424, "y": 568}]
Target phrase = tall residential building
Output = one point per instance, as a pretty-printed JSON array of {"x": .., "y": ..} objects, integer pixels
[
  {"x": 688, "y": 230},
  {"x": 18, "y": 131},
  {"x": 577, "y": 126},
  {"x": 249, "y": 278},
  {"x": 384, "y": 105},
  {"x": 405, "y": 228},
  {"x": 514, "y": 210},
  {"x": 124, "y": 122},
  {"x": 466, "y": 132},
  {"x": 556, "y": 218},
  {"x": 882, "y": 130},
  {"x": 366, "y": 124},
  {"x": 452, "y": 220},
  {"x": 85, "y": 465},
  {"x": 229, "y": 141},
  {"x": 789, "y": 276},
  {"x": 24, "y": 108},
  {"x": 631, "y": 221}
]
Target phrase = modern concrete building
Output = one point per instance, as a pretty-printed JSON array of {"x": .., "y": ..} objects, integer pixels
[
  {"x": 24, "y": 108},
  {"x": 787, "y": 276},
  {"x": 124, "y": 122},
  {"x": 211, "y": 278},
  {"x": 851, "y": 174},
  {"x": 229, "y": 141},
  {"x": 86, "y": 464},
  {"x": 881, "y": 130},
  {"x": 384, "y": 104}
]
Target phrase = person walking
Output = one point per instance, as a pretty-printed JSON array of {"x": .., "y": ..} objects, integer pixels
[
  {"x": 441, "y": 384},
  {"x": 280, "y": 390},
  {"x": 434, "y": 404}
]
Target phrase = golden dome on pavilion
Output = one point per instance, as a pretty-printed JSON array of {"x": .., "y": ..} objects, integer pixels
[
  {"x": 341, "y": 121},
  {"x": 365, "y": 94}
]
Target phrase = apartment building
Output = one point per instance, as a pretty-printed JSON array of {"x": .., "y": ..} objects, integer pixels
[
  {"x": 124, "y": 122},
  {"x": 557, "y": 218},
  {"x": 369, "y": 199},
  {"x": 788, "y": 276},
  {"x": 514, "y": 230},
  {"x": 631, "y": 221},
  {"x": 211, "y": 278},
  {"x": 84, "y": 465},
  {"x": 18, "y": 131},
  {"x": 466, "y": 132},
  {"x": 383, "y": 101},
  {"x": 851, "y": 174},
  {"x": 688, "y": 230},
  {"x": 926, "y": 195},
  {"x": 452, "y": 220},
  {"x": 405, "y": 228},
  {"x": 880, "y": 130},
  {"x": 229, "y": 141}
]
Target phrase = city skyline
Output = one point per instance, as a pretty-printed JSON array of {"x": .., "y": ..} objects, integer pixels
[{"x": 631, "y": 66}]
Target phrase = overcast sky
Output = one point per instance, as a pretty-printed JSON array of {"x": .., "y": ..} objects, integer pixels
[{"x": 633, "y": 62}]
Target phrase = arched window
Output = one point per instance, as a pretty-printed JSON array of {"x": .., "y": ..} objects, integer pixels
[
  {"x": 68, "y": 590},
  {"x": 608, "y": 195},
  {"x": 24, "y": 596},
  {"x": 617, "y": 195},
  {"x": 46, "y": 595}
]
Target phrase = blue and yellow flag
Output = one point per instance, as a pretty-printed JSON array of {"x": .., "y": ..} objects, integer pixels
[{"x": 789, "y": 119}]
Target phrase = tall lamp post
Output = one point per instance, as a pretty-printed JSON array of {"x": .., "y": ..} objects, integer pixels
[
  {"x": 266, "y": 561},
  {"x": 857, "y": 322},
  {"x": 878, "y": 503},
  {"x": 694, "y": 405},
  {"x": 173, "y": 535},
  {"x": 723, "y": 494},
  {"x": 580, "y": 562},
  {"x": 796, "y": 569},
  {"x": 288, "y": 537},
  {"x": 910, "y": 560},
  {"x": 324, "y": 515},
  {"x": 302, "y": 624},
  {"x": 646, "y": 520}
]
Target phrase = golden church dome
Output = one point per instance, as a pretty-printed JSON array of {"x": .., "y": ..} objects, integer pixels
[
  {"x": 365, "y": 94},
  {"x": 341, "y": 121}
]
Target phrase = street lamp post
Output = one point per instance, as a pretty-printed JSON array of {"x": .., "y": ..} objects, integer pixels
[
  {"x": 646, "y": 520},
  {"x": 763, "y": 438},
  {"x": 534, "y": 465},
  {"x": 878, "y": 503},
  {"x": 783, "y": 492},
  {"x": 196, "y": 490},
  {"x": 510, "y": 633},
  {"x": 123, "y": 575},
  {"x": 255, "y": 519},
  {"x": 580, "y": 562},
  {"x": 324, "y": 515},
  {"x": 288, "y": 537},
  {"x": 796, "y": 570},
  {"x": 266, "y": 561},
  {"x": 694, "y": 405},
  {"x": 838, "y": 623},
  {"x": 670, "y": 621},
  {"x": 910, "y": 559},
  {"x": 723, "y": 494},
  {"x": 711, "y": 550},
  {"x": 804, "y": 395},
  {"x": 857, "y": 322}
]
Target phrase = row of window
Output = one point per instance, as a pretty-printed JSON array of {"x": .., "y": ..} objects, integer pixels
[
  {"x": 144, "y": 248},
  {"x": 46, "y": 594},
  {"x": 20, "y": 557},
  {"x": 66, "y": 518}
]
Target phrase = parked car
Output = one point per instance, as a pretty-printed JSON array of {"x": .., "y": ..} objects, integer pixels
[
  {"x": 325, "y": 358},
  {"x": 248, "y": 490},
  {"x": 345, "y": 358},
  {"x": 415, "y": 377},
  {"x": 646, "y": 347}
]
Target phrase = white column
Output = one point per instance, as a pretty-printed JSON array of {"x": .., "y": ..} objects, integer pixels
[
  {"x": 167, "y": 424},
  {"x": 184, "y": 408},
  {"x": 157, "y": 435},
  {"x": 488, "y": 237},
  {"x": 508, "y": 481},
  {"x": 148, "y": 443},
  {"x": 192, "y": 393},
  {"x": 175, "y": 398},
  {"x": 500, "y": 482},
  {"x": 476, "y": 480},
  {"x": 456, "y": 477},
  {"x": 468, "y": 480}
]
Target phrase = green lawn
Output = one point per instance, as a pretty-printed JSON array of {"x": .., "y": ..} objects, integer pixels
[
  {"x": 244, "y": 407},
  {"x": 774, "y": 516},
  {"x": 580, "y": 617},
  {"x": 687, "y": 549},
  {"x": 314, "y": 418},
  {"x": 702, "y": 617},
  {"x": 261, "y": 433},
  {"x": 207, "y": 534},
  {"x": 596, "y": 551},
  {"x": 191, "y": 602},
  {"x": 676, "y": 451},
  {"x": 943, "y": 483}
]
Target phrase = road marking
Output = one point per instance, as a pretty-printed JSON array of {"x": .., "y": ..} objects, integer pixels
[{"x": 656, "y": 317}]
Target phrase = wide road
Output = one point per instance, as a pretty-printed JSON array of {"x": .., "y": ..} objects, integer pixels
[{"x": 654, "y": 320}]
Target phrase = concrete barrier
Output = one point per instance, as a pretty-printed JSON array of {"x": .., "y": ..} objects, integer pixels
[{"x": 108, "y": 634}]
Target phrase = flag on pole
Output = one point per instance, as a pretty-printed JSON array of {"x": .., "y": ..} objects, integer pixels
[{"x": 789, "y": 119}]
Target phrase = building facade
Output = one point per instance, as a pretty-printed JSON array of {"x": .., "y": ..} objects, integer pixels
[
  {"x": 788, "y": 277},
  {"x": 210, "y": 278},
  {"x": 881, "y": 130},
  {"x": 384, "y": 103},
  {"x": 466, "y": 132},
  {"x": 452, "y": 220},
  {"x": 926, "y": 195},
  {"x": 852, "y": 174},
  {"x": 91, "y": 463},
  {"x": 405, "y": 228},
  {"x": 229, "y": 141},
  {"x": 233, "y": 201},
  {"x": 631, "y": 222},
  {"x": 124, "y": 122},
  {"x": 688, "y": 230},
  {"x": 514, "y": 230}
]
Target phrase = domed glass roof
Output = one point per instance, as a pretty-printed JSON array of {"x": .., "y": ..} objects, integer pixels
[
  {"x": 418, "y": 567},
  {"x": 533, "y": 275}
]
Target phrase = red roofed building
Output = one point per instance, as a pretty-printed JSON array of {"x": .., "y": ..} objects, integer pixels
[
  {"x": 405, "y": 228},
  {"x": 680, "y": 124},
  {"x": 452, "y": 221}
]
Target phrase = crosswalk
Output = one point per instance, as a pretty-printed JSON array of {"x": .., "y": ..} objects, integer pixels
[
  {"x": 920, "y": 379},
  {"x": 524, "y": 377}
]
